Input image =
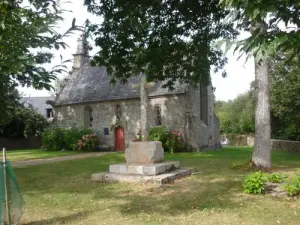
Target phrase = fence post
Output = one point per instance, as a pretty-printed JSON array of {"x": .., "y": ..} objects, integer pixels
[{"x": 5, "y": 186}]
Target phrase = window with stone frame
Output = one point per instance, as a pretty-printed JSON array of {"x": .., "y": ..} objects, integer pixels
[
  {"x": 204, "y": 103},
  {"x": 118, "y": 112},
  {"x": 88, "y": 117},
  {"x": 49, "y": 113},
  {"x": 157, "y": 111}
]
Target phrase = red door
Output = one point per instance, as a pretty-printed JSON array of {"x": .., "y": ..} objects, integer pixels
[{"x": 120, "y": 139}]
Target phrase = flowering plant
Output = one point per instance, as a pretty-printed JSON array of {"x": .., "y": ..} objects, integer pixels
[
  {"x": 171, "y": 141},
  {"x": 138, "y": 137},
  {"x": 88, "y": 142},
  {"x": 175, "y": 142}
]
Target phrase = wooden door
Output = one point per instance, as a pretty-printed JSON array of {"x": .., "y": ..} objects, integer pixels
[{"x": 119, "y": 139}]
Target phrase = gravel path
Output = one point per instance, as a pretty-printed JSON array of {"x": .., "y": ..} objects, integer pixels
[{"x": 33, "y": 162}]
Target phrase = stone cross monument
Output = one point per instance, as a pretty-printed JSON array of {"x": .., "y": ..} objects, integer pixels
[{"x": 143, "y": 86}]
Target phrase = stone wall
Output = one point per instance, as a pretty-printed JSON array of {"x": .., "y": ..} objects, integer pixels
[
  {"x": 173, "y": 109},
  {"x": 248, "y": 140},
  {"x": 204, "y": 136},
  {"x": 216, "y": 132},
  {"x": 286, "y": 146},
  {"x": 240, "y": 140}
]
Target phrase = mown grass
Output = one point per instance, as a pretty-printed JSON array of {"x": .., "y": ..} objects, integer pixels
[
  {"x": 17, "y": 155},
  {"x": 62, "y": 193}
]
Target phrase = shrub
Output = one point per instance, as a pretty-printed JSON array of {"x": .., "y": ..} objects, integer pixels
[
  {"x": 71, "y": 137},
  {"x": 293, "y": 187},
  {"x": 171, "y": 141},
  {"x": 25, "y": 123},
  {"x": 88, "y": 142},
  {"x": 276, "y": 177},
  {"x": 255, "y": 183},
  {"x": 53, "y": 139},
  {"x": 175, "y": 142},
  {"x": 56, "y": 139},
  {"x": 161, "y": 134},
  {"x": 138, "y": 137}
]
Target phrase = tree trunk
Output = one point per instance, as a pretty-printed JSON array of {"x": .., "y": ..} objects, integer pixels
[
  {"x": 261, "y": 156},
  {"x": 262, "y": 149},
  {"x": 144, "y": 108}
]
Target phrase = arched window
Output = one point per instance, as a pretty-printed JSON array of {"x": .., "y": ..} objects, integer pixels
[
  {"x": 157, "y": 111},
  {"x": 88, "y": 117},
  {"x": 118, "y": 112}
]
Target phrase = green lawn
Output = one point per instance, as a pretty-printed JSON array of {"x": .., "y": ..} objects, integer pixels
[
  {"x": 62, "y": 193},
  {"x": 17, "y": 155}
]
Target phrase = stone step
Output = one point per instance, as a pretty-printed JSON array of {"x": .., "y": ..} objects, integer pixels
[
  {"x": 135, "y": 178},
  {"x": 144, "y": 169}
]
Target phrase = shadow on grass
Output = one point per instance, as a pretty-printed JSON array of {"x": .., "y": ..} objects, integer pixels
[
  {"x": 182, "y": 197},
  {"x": 59, "y": 220},
  {"x": 215, "y": 187},
  {"x": 182, "y": 200}
]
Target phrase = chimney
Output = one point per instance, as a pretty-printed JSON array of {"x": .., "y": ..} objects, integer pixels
[{"x": 82, "y": 54}]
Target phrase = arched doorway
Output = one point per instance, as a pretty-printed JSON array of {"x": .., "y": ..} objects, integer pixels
[{"x": 119, "y": 139}]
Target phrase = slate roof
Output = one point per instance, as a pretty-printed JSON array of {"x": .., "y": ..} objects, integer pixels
[{"x": 92, "y": 84}]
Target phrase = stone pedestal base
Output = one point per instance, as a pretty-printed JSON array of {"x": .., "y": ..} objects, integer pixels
[
  {"x": 144, "y": 165},
  {"x": 144, "y": 169},
  {"x": 135, "y": 178}
]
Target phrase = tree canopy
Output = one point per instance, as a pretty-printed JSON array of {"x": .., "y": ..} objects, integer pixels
[
  {"x": 285, "y": 103},
  {"x": 27, "y": 34},
  {"x": 166, "y": 40},
  {"x": 25, "y": 122},
  {"x": 285, "y": 97},
  {"x": 232, "y": 122},
  {"x": 282, "y": 19}
]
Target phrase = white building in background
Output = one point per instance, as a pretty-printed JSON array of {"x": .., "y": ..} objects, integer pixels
[{"x": 39, "y": 105}]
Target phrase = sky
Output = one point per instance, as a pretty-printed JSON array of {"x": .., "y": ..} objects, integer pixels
[{"x": 239, "y": 72}]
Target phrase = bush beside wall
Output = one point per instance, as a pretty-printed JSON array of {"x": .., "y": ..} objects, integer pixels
[
  {"x": 171, "y": 141},
  {"x": 56, "y": 139}
]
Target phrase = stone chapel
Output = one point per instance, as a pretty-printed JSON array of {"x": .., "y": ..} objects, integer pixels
[{"x": 88, "y": 100}]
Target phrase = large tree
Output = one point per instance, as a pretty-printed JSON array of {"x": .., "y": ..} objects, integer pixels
[
  {"x": 263, "y": 19},
  {"x": 27, "y": 34},
  {"x": 166, "y": 41}
]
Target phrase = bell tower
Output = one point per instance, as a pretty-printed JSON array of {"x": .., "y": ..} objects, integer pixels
[{"x": 82, "y": 53}]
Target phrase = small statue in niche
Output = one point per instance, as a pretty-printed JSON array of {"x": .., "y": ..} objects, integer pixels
[{"x": 118, "y": 112}]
